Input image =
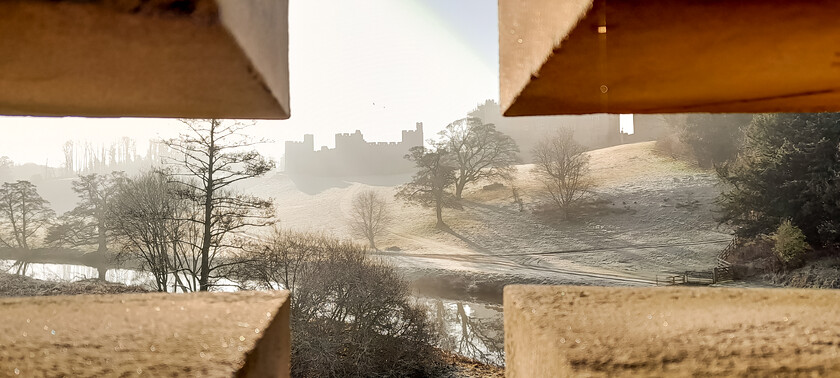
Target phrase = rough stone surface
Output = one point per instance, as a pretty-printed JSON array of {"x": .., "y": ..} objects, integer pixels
[
  {"x": 666, "y": 56},
  {"x": 554, "y": 331},
  {"x": 155, "y": 58},
  {"x": 202, "y": 334}
]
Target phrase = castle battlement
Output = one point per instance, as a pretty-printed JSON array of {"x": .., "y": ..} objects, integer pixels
[
  {"x": 357, "y": 133},
  {"x": 307, "y": 139},
  {"x": 353, "y": 155}
]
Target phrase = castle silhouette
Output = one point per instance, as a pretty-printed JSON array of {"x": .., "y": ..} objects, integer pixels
[{"x": 352, "y": 155}]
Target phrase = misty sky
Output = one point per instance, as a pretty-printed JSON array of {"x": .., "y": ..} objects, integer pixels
[{"x": 374, "y": 65}]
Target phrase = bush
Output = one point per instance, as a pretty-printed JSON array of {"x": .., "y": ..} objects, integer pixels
[
  {"x": 670, "y": 145},
  {"x": 754, "y": 256},
  {"x": 714, "y": 138},
  {"x": 352, "y": 315},
  {"x": 789, "y": 245}
]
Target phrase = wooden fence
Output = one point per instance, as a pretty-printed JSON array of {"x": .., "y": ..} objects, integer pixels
[{"x": 722, "y": 272}]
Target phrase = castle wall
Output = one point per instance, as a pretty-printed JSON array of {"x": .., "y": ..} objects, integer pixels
[{"x": 353, "y": 156}]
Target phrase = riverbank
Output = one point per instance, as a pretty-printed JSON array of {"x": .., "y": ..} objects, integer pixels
[{"x": 13, "y": 285}]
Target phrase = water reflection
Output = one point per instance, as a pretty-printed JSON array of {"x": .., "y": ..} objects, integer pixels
[
  {"x": 70, "y": 273},
  {"x": 474, "y": 330},
  {"x": 471, "y": 329}
]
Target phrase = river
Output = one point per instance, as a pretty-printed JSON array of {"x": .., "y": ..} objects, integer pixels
[{"x": 467, "y": 327}]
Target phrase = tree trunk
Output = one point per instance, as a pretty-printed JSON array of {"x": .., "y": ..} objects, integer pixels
[
  {"x": 205, "y": 251},
  {"x": 203, "y": 281},
  {"x": 372, "y": 244},
  {"x": 459, "y": 188},
  {"x": 439, "y": 214},
  {"x": 205, "y": 244},
  {"x": 102, "y": 251}
]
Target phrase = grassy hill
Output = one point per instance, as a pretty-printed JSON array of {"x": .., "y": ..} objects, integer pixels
[{"x": 648, "y": 215}]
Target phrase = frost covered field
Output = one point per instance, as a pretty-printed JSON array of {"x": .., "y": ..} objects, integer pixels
[{"x": 648, "y": 215}]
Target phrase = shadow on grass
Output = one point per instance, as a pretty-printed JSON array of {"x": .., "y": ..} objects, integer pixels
[
  {"x": 584, "y": 211},
  {"x": 472, "y": 244},
  {"x": 313, "y": 184}
]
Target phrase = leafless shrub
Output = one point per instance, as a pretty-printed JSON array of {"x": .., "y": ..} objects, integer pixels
[
  {"x": 670, "y": 145},
  {"x": 755, "y": 256},
  {"x": 351, "y": 315}
]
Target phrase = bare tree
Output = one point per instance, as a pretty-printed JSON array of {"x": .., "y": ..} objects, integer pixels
[
  {"x": 86, "y": 224},
  {"x": 23, "y": 214},
  {"x": 210, "y": 157},
  {"x": 562, "y": 165},
  {"x": 369, "y": 216},
  {"x": 429, "y": 185},
  {"x": 480, "y": 151},
  {"x": 146, "y": 220}
]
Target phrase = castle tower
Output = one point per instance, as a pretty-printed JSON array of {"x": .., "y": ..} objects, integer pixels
[
  {"x": 413, "y": 138},
  {"x": 298, "y": 153}
]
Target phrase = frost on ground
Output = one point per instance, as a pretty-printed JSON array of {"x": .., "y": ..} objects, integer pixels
[
  {"x": 648, "y": 215},
  {"x": 12, "y": 285}
]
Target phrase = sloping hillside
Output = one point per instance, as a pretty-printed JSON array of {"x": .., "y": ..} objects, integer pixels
[{"x": 648, "y": 215}]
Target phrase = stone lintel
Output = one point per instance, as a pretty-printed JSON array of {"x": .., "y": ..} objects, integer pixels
[
  {"x": 158, "y": 58},
  {"x": 667, "y": 56}
]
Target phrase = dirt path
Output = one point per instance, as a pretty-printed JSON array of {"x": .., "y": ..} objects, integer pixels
[
  {"x": 498, "y": 265},
  {"x": 503, "y": 256}
]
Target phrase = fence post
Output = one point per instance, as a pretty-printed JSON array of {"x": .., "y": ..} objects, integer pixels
[{"x": 714, "y": 275}]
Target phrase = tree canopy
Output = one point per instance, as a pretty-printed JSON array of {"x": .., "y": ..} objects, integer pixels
[
  {"x": 479, "y": 151},
  {"x": 429, "y": 186},
  {"x": 789, "y": 168},
  {"x": 86, "y": 224},
  {"x": 24, "y": 215}
]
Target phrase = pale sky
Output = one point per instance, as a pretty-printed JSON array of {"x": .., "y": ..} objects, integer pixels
[
  {"x": 625, "y": 123},
  {"x": 374, "y": 65}
]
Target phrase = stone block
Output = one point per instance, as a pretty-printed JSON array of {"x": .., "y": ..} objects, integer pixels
[
  {"x": 667, "y": 56},
  {"x": 557, "y": 331},
  {"x": 160, "y": 58},
  {"x": 159, "y": 335}
]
